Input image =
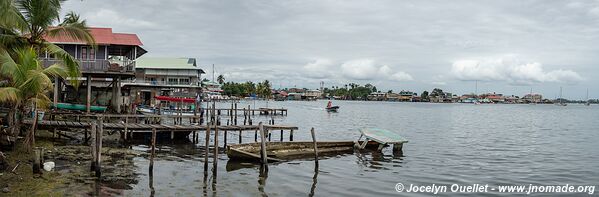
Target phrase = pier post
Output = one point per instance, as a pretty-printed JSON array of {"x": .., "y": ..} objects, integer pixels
[
  {"x": 239, "y": 136},
  {"x": 225, "y": 139},
  {"x": 153, "y": 145},
  {"x": 281, "y": 135},
  {"x": 126, "y": 123},
  {"x": 263, "y": 154},
  {"x": 291, "y": 135},
  {"x": 37, "y": 154},
  {"x": 206, "y": 152},
  {"x": 215, "y": 154},
  {"x": 99, "y": 134},
  {"x": 235, "y": 113},
  {"x": 92, "y": 145},
  {"x": 315, "y": 146},
  {"x": 88, "y": 96},
  {"x": 398, "y": 149}
]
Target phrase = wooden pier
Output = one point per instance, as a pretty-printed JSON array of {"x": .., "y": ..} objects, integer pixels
[
  {"x": 150, "y": 126},
  {"x": 59, "y": 124}
]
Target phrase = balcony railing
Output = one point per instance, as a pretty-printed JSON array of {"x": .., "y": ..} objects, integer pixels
[
  {"x": 98, "y": 65},
  {"x": 161, "y": 83}
]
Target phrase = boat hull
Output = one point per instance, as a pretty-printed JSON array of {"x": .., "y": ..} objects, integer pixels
[
  {"x": 79, "y": 107},
  {"x": 281, "y": 151}
]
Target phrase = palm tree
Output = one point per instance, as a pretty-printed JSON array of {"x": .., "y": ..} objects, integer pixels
[
  {"x": 27, "y": 83},
  {"x": 220, "y": 79},
  {"x": 26, "y": 23}
]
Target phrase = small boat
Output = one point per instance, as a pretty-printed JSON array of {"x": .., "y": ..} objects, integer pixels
[
  {"x": 332, "y": 108},
  {"x": 80, "y": 107},
  {"x": 164, "y": 111},
  {"x": 281, "y": 151}
]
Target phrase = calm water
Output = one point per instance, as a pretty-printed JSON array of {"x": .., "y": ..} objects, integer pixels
[{"x": 449, "y": 143}]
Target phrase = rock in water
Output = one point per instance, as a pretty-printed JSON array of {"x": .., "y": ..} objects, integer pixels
[
  {"x": 48, "y": 166},
  {"x": 5, "y": 190}
]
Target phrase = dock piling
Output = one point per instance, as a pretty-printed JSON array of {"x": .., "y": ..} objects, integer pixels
[
  {"x": 153, "y": 145},
  {"x": 263, "y": 154},
  {"x": 315, "y": 146}
]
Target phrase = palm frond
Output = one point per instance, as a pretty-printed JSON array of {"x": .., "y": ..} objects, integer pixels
[
  {"x": 9, "y": 94},
  {"x": 74, "y": 28},
  {"x": 8, "y": 66},
  {"x": 70, "y": 64},
  {"x": 56, "y": 70},
  {"x": 11, "y": 17},
  {"x": 10, "y": 39}
]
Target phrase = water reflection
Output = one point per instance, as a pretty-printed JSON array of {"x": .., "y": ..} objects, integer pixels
[
  {"x": 314, "y": 180},
  {"x": 262, "y": 179},
  {"x": 151, "y": 182}
]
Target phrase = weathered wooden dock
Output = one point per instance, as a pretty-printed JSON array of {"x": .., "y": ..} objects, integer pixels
[{"x": 51, "y": 124}]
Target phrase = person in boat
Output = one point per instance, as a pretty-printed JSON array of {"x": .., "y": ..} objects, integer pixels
[{"x": 330, "y": 104}]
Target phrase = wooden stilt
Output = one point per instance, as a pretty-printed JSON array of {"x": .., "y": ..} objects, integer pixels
[
  {"x": 291, "y": 135},
  {"x": 99, "y": 133},
  {"x": 239, "y": 136},
  {"x": 263, "y": 154},
  {"x": 224, "y": 138},
  {"x": 93, "y": 146},
  {"x": 207, "y": 139},
  {"x": 153, "y": 145},
  {"x": 315, "y": 146},
  {"x": 215, "y": 154},
  {"x": 37, "y": 161}
]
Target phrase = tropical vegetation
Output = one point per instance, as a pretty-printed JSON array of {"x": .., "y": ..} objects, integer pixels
[{"x": 24, "y": 80}]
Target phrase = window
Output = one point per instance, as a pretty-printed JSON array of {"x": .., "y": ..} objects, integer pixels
[
  {"x": 184, "y": 81},
  {"x": 173, "y": 81},
  {"x": 92, "y": 54},
  {"x": 83, "y": 53}
]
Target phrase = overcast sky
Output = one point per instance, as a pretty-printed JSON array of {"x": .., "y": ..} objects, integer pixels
[{"x": 508, "y": 46}]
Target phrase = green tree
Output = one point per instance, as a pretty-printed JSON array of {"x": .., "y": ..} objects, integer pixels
[
  {"x": 26, "y": 23},
  {"x": 28, "y": 85},
  {"x": 220, "y": 79},
  {"x": 424, "y": 96}
]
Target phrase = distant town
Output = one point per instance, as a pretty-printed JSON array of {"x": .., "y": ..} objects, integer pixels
[{"x": 367, "y": 92}]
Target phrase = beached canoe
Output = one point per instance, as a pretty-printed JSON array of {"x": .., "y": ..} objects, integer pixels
[
  {"x": 80, "y": 107},
  {"x": 281, "y": 151}
]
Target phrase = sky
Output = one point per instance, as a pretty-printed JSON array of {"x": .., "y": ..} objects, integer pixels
[{"x": 509, "y": 47}]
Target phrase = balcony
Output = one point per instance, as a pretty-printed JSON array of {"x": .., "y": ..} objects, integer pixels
[
  {"x": 138, "y": 82},
  {"x": 99, "y": 66}
]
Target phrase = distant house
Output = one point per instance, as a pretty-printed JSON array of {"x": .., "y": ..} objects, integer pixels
[
  {"x": 533, "y": 98},
  {"x": 212, "y": 90},
  {"x": 176, "y": 77},
  {"x": 392, "y": 97},
  {"x": 493, "y": 98},
  {"x": 406, "y": 96},
  {"x": 376, "y": 96},
  {"x": 512, "y": 99},
  {"x": 312, "y": 94}
]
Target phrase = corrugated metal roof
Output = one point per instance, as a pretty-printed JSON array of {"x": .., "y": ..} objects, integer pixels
[
  {"x": 102, "y": 36},
  {"x": 166, "y": 63}
]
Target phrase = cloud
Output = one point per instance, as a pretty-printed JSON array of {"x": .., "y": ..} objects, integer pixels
[
  {"x": 366, "y": 69},
  {"x": 511, "y": 70},
  {"x": 401, "y": 76},
  {"x": 360, "y": 69},
  {"x": 319, "y": 69},
  {"x": 110, "y": 18}
]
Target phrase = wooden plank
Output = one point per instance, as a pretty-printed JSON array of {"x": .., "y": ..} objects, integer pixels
[{"x": 383, "y": 136}]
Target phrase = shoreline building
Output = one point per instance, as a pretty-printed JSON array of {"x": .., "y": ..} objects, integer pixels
[
  {"x": 103, "y": 68},
  {"x": 172, "y": 77}
]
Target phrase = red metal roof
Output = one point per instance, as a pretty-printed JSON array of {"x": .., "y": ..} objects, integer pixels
[{"x": 103, "y": 36}]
